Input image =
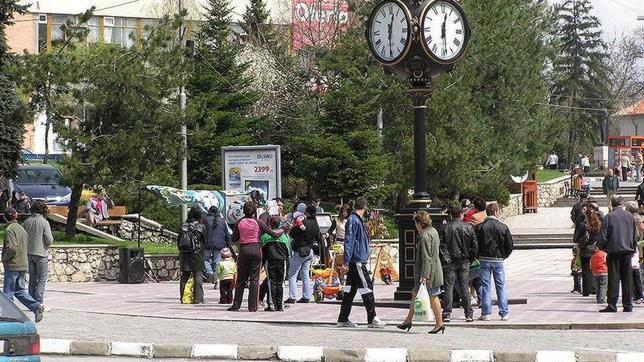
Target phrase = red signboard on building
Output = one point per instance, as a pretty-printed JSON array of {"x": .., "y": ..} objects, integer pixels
[{"x": 317, "y": 22}]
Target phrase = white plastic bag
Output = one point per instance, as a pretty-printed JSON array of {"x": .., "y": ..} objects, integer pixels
[{"x": 422, "y": 305}]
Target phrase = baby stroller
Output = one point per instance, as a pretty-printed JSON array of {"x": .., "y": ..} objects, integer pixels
[{"x": 326, "y": 282}]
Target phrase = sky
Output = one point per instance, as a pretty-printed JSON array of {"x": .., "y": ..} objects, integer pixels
[{"x": 617, "y": 16}]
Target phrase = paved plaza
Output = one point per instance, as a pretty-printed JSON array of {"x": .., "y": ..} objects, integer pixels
[{"x": 540, "y": 276}]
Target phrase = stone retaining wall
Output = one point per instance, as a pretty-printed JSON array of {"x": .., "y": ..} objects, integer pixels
[
  {"x": 130, "y": 231},
  {"x": 99, "y": 263},
  {"x": 514, "y": 206},
  {"x": 548, "y": 192}
]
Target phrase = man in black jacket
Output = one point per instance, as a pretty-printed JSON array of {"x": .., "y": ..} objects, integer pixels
[
  {"x": 495, "y": 245},
  {"x": 300, "y": 262},
  {"x": 618, "y": 238},
  {"x": 460, "y": 248}
]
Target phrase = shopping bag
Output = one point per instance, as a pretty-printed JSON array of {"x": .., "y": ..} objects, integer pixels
[
  {"x": 188, "y": 296},
  {"x": 422, "y": 306}
]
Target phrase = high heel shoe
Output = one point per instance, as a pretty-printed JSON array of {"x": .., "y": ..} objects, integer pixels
[
  {"x": 435, "y": 331},
  {"x": 405, "y": 326}
]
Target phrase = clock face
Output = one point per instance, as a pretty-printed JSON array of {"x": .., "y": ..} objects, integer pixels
[
  {"x": 444, "y": 30},
  {"x": 389, "y": 32}
]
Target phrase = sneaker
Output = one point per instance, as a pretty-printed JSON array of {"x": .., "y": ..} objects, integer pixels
[
  {"x": 269, "y": 309},
  {"x": 446, "y": 317},
  {"x": 303, "y": 300},
  {"x": 40, "y": 313},
  {"x": 484, "y": 318},
  {"x": 377, "y": 323},
  {"x": 639, "y": 301},
  {"x": 505, "y": 317},
  {"x": 574, "y": 291},
  {"x": 262, "y": 304},
  {"x": 47, "y": 309},
  {"x": 469, "y": 318},
  {"x": 347, "y": 324},
  {"x": 289, "y": 301}
]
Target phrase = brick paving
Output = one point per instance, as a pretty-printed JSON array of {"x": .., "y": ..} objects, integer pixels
[{"x": 541, "y": 276}]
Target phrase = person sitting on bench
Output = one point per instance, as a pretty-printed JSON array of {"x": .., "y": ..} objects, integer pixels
[{"x": 97, "y": 208}]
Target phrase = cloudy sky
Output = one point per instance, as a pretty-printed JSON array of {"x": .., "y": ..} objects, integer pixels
[{"x": 617, "y": 16}]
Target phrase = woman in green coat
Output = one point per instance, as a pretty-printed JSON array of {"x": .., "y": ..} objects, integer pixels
[{"x": 428, "y": 272}]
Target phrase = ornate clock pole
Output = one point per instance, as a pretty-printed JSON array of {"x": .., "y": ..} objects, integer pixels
[{"x": 417, "y": 40}]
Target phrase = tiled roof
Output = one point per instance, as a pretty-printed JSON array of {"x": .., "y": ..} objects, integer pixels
[{"x": 636, "y": 109}]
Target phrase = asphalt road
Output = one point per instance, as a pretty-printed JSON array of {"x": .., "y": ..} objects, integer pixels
[{"x": 102, "y": 327}]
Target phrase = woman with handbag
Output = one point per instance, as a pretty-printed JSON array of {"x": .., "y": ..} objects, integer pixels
[
  {"x": 428, "y": 272},
  {"x": 304, "y": 236},
  {"x": 247, "y": 233}
]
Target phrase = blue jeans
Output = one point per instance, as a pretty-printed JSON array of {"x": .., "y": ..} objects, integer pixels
[
  {"x": 211, "y": 260},
  {"x": 300, "y": 266},
  {"x": 37, "y": 276},
  {"x": 14, "y": 285},
  {"x": 489, "y": 270}
]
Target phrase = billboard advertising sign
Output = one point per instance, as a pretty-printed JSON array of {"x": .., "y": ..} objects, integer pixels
[
  {"x": 316, "y": 22},
  {"x": 252, "y": 167}
]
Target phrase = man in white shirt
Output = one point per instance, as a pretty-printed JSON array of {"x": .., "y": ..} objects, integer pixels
[
  {"x": 625, "y": 163},
  {"x": 585, "y": 164},
  {"x": 553, "y": 161}
]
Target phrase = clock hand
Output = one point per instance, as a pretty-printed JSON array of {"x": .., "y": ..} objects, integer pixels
[
  {"x": 443, "y": 33},
  {"x": 390, "y": 28}
]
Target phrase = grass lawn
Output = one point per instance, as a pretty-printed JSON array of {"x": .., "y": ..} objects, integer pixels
[
  {"x": 547, "y": 175},
  {"x": 61, "y": 239}
]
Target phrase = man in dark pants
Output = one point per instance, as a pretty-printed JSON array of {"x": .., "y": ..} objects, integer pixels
[
  {"x": 618, "y": 238},
  {"x": 460, "y": 247},
  {"x": 191, "y": 260},
  {"x": 217, "y": 238},
  {"x": 356, "y": 255}
]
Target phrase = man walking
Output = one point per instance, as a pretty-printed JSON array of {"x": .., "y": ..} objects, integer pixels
[
  {"x": 40, "y": 239},
  {"x": 553, "y": 161},
  {"x": 217, "y": 238},
  {"x": 356, "y": 254},
  {"x": 300, "y": 263},
  {"x": 459, "y": 240},
  {"x": 495, "y": 245},
  {"x": 610, "y": 187},
  {"x": 618, "y": 238},
  {"x": 14, "y": 260}
]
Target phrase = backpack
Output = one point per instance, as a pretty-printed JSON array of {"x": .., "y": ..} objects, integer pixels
[{"x": 188, "y": 240}]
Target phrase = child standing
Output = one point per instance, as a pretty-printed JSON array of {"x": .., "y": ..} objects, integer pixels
[
  {"x": 227, "y": 273},
  {"x": 575, "y": 270},
  {"x": 600, "y": 274}
]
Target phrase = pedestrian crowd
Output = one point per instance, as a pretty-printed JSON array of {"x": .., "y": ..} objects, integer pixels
[{"x": 607, "y": 249}]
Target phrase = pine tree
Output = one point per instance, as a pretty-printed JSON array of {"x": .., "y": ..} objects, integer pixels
[
  {"x": 579, "y": 75},
  {"x": 256, "y": 22},
  {"x": 11, "y": 115},
  {"x": 219, "y": 97}
]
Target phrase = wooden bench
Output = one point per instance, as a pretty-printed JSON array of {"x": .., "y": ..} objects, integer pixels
[{"x": 113, "y": 223}]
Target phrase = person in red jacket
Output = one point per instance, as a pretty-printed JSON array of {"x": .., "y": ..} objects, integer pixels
[{"x": 600, "y": 274}]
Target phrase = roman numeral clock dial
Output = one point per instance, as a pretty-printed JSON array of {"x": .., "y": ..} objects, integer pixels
[
  {"x": 388, "y": 31},
  {"x": 444, "y": 31}
]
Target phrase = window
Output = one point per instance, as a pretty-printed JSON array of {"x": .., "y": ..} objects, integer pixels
[
  {"x": 120, "y": 31},
  {"x": 148, "y": 26},
  {"x": 57, "y": 21},
  {"x": 94, "y": 28},
  {"x": 42, "y": 32}
]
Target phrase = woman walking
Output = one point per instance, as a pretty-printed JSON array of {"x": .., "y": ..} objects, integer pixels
[
  {"x": 428, "y": 271},
  {"x": 247, "y": 233}
]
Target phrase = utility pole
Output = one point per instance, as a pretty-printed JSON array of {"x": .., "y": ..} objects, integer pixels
[{"x": 184, "y": 129}]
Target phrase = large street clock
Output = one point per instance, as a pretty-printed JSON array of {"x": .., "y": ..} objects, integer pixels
[
  {"x": 418, "y": 40},
  {"x": 388, "y": 31}
]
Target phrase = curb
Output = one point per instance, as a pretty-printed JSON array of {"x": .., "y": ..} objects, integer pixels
[{"x": 318, "y": 354}]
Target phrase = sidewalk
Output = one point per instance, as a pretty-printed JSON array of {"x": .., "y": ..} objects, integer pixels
[{"x": 541, "y": 276}]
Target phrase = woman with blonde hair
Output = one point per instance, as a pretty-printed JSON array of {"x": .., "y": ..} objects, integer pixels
[{"x": 428, "y": 272}]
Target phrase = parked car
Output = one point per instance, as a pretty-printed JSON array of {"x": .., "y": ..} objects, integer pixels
[
  {"x": 42, "y": 182},
  {"x": 19, "y": 340}
]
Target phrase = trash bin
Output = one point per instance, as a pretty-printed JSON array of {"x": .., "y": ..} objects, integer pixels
[{"x": 529, "y": 191}]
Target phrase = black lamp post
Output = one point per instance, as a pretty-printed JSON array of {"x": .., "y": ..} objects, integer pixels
[{"x": 417, "y": 40}]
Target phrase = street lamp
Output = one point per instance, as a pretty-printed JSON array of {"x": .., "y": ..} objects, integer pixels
[{"x": 417, "y": 40}]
